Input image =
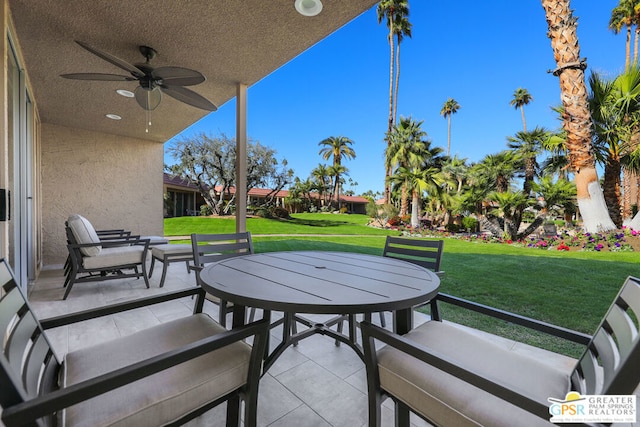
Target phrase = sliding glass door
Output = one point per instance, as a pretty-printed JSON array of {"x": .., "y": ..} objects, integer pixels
[{"x": 20, "y": 188}]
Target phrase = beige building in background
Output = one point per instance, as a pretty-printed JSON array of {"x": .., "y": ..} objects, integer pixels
[{"x": 60, "y": 154}]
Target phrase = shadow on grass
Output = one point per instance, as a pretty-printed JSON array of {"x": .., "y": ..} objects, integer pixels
[
  {"x": 317, "y": 222},
  {"x": 312, "y": 245}
]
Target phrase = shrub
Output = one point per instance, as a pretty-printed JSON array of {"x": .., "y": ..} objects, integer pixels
[
  {"x": 343, "y": 210},
  {"x": 452, "y": 228},
  {"x": 205, "y": 210},
  {"x": 469, "y": 223}
]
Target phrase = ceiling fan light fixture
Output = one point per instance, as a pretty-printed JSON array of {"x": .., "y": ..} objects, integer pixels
[
  {"x": 148, "y": 98},
  {"x": 125, "y": 93},
  {"x": 308, "y": 7}
]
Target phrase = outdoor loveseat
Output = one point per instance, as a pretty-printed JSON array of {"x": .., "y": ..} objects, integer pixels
[
  {"x": 450, "y": 375},
  {"x": 163, "y": 375}
]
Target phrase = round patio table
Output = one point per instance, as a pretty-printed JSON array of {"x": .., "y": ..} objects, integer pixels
[{"x": 341, "y": 283}]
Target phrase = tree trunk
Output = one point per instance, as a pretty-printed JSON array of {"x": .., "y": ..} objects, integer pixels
[
  {"x": 524, "y": 122},
  {"x": 404, "y": 202},
  {"x": 611, "y": 189},
  {"x": 387, "y": 187},
  {"x": 395, "y": 96},
  {"x": 577, "y": 120},
  {"x": 448, "y": 134},
  {"x": 415, "y": 210}
]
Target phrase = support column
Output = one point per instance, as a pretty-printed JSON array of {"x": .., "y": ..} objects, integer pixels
[{"x": 241, "y": 158}]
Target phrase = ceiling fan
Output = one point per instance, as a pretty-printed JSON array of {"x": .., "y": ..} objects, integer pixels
[{"x": 153, "y": 81}]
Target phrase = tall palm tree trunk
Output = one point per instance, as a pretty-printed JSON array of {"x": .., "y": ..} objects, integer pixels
[
  {"x": 577, "y": 120},
  {"x": 524, "y": 122},
  {"x": 449, "y": 135},
  {"x": 387, "y": 187},
  {"x": 397, "y": 84}
]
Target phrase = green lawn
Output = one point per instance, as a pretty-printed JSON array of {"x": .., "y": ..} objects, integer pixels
[
  {"x": 321, "y": 223},
  {"x": 572, "y": 289}
]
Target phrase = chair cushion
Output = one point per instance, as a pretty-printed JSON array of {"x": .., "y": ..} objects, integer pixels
[
  {"x": 163, "y": 397},
  {"x": 84, "y": 232},
  {"x": 114, "y": 257},
  {"x": 447, "y": 400},
  {"x": 178, "y": 249}
]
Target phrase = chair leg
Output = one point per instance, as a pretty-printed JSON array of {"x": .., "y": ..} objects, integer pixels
[
  {"x": 233, "y": 411},
  {"x": 164, "y": 272},
  {"x": 223, "y": 314},
  {"x": 153, "y": 263},
  {"x": 144, "y": 275},
  {"x": 383, "y": 323},
  {"x": 402, "y": 414},
  {"x": 72, "y": 279}
]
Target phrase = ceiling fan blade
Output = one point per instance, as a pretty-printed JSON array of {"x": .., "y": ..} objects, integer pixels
[
  {"x": 177, "y": 76},
  {"x": 189, "y": 97},
  {"x": 149, "y": 99},
  {"x": 135, "y": 71},
  {"x": 98, "y": 76}
]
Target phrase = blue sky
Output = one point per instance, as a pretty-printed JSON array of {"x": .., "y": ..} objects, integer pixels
[{"x": 476, "y": 53}]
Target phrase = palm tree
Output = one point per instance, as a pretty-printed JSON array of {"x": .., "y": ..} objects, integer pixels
[
  {"x": 402, "y": 29},
  {"x": 509, "y": 205},
  {"x": 418, "y": 180},
  {"x": 528, "y": 145},
  {"x": 389, "y": 11},
  {"x": 521, "y": 97},
  {"x": 625, "y": 16},
  {"x": 337, "y": 147},
  {"x": 449, "y": 108},
  {"x": 456, "y": 169},
  {"x": 499, "y": 169},
  {"x": 407, "y": 146},
  {"x": 561, "y": 194},
  {"x": 577, "y": 120},
  {"x": 320, "y": 174}
]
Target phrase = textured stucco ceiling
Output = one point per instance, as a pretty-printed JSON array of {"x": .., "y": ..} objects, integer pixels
[{"x": 229, "y": 41}]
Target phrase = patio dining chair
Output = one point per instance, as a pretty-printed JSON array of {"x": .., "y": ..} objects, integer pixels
[
  {"x": 166, "y": 374},
  {"x": 452, "y": 375},
  {"x": 425, "y": 253},
  {"x": 209, "y": 248}
]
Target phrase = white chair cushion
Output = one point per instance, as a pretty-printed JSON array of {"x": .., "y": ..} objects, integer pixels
[
  {"x": 447, "y": 400},
  {"x": 160, "y": 398},
  {"x": 115, "y": 256},
  {"x": 84, "y": 232}
]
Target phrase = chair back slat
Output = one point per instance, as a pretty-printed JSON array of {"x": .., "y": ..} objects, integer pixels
[
  {"x": 426, "y": 253},
  {"x": 610, "y": 362},
  {"x": 27, "y": 362},
  {"x": 37, "y": 359},
  {"x": 19, "y": 341},
  {"x": 620, "y": 322},
  {"x": 208, "y": 248}
]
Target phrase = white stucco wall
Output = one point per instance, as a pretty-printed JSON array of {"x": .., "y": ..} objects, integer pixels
[{"x": 113, "y": 181}]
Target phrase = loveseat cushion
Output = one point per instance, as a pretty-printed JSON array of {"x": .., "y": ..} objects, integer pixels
[
  {"x": 162, "y": 397},
  {"x": 84, "y": 233},
  {"x": 447, "y": 400},
  {"x": 115, "y": 256}
]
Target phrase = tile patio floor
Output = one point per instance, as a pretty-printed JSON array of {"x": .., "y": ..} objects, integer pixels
[{"x": 313, "y": 384}]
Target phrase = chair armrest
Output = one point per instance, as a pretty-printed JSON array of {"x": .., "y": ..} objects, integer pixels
[
  {"x": 372, "y": 332},
  {"x": 115, "y": 233},
  {"x": 67, "y": 319},
  {"x": 43, "y": 405},
  {"x": 548, "y": 328}
]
